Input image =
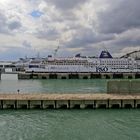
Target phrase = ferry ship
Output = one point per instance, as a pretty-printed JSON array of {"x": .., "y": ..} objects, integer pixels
[{"x": 105, "y": 63}]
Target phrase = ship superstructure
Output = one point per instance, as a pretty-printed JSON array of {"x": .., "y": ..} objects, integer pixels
[{"x": 102, "y": 64}]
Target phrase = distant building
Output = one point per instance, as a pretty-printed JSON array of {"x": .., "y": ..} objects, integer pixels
[{"x": 134, "y": 54}]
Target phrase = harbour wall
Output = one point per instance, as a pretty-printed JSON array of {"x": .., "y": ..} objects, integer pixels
[
  {"x": 24, "y": 75},
  {"x": 123, "y": 87},
  {"x": 68, "y": 101}
]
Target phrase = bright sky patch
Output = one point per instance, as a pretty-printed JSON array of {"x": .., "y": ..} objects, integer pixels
[{"x": 36, "y": 13}]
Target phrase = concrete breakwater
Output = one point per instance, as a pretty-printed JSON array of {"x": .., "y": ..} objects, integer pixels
[
  {"x": 68, "y": 101},
  {"x": 123, "y": 87},
  {"x": 89, "y": 75}
]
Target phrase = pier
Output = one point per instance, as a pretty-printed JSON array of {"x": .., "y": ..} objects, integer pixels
[
  {"x": 68, "y": 101},
  {"x": 33, "y": 75}
]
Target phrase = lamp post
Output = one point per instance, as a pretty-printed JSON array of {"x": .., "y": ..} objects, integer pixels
[{"x": 18, "y": 91}]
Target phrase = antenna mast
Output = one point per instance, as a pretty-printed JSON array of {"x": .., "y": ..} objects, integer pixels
[
  {"x": 56, "y": 50},
  {"x": 103, "y": 45}
]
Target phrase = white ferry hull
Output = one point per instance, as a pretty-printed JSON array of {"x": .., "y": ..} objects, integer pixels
[
  {"x": 80, "y": 69},
  {"x": 104, "y": 64}
]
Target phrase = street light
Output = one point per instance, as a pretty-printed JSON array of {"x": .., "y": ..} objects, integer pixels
[{"x": 18, "y": 91}]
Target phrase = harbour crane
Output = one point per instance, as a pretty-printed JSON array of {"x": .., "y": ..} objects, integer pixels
[{"x": 56, "y": 50}]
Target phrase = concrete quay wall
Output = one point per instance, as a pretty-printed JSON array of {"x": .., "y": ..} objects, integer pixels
[
  {"x": 68, "y": 101},
  {"x": 123, "y": 86},
  {"x": 24, "y": 75}
]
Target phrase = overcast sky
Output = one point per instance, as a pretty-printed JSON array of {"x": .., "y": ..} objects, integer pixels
[{"x": 28, "y": 27}]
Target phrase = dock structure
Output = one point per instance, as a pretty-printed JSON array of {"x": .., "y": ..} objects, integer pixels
[
  {"x": 123, "y": 87},
  {"x": 23, "y": 75},
  {"x": 68, "y": 101}
]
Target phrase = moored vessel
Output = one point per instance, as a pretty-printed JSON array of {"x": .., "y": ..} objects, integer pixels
[{"x": 105, "y": 63}]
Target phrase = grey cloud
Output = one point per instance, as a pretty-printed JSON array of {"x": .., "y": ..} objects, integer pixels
[
  {"x": 85, "y": 36},
  {"x": 66, "y": 4},
  {"x": 126, "y": 39},
  {"x": 49, "y": 34},
  {"x": 90, "y": 50},
  {"x": 14, "y": 25},
  {"x": 7, "y": 25},
  {"x": 68, "y": 16},
  {"x": 27, "y": 44},
  {"x": 3, "y": 27},
  {"x": 121, "y": 16},
  {"x": 127, "y": 42}
]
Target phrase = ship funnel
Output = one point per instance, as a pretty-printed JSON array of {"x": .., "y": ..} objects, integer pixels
[
  {"x": 105, "y": 54},
  {"x": 78, "y": 55}
]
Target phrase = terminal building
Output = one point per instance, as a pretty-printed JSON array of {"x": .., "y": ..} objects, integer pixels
[{"x": 6, "y": 66}]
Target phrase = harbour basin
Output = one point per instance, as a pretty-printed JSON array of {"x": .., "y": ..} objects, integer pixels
[{"x": 10, "y": 84}]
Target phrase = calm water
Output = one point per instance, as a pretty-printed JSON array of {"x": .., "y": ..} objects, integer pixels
[
  {"x": 98, "y": 124},
  {"x": 70, "y": 125},
  {"x": 10, "y": 84}
]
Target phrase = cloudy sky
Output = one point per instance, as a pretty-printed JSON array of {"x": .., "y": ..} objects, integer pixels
[{"x": 28, "y": 27}]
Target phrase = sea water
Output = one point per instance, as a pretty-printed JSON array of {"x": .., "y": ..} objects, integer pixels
[
  {"x": 10, "y": 84},
  {"x": 88, "y": 124}
]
